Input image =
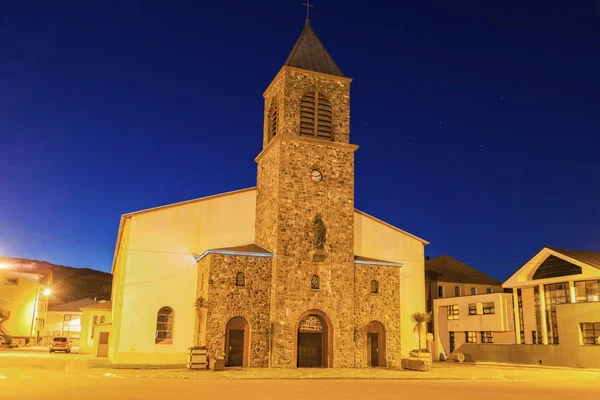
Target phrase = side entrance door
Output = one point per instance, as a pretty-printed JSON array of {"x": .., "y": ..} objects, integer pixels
[
  {"x": 373, "y": 349},
  {"x": 235, "y": 356},
  {"x": 102, "y": 344}
]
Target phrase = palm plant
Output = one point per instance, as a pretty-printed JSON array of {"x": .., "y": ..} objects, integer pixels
[
  {"x": 200, "y": 304},
  {"x": 420, "y": 318}
]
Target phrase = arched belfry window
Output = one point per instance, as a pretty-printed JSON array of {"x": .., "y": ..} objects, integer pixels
[
  {"x": 273, "y": 118},
  {"x": 240, "y": 279},
  {"x": 315, "y": 282},
  {"x": 374, "y": 287},
  {"x": 164, "y": 326},
  {"x": 315, "y": 116}
]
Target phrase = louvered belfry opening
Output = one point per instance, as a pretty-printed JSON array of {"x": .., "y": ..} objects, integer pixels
[
  {"x": 315, "y": 116},
  {"x": 273, "y": 118}
]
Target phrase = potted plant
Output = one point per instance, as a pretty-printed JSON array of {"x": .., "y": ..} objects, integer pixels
[
  {"x": 217, "y": 363},
  {"x": 420, "y": 359}
]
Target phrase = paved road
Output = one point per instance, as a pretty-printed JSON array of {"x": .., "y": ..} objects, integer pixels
[
  {"x": 25, "y": 384},
  {"x": 27, "y": 375}
]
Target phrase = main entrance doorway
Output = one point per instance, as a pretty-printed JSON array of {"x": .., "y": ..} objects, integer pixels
[
  {"x": 375, "y": 344},
  {"x": 236, "y": 342},
  {"x": 313, "y": 341}
]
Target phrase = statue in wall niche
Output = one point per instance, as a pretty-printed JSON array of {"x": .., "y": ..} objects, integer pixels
[{"x": 319, "y": 230}]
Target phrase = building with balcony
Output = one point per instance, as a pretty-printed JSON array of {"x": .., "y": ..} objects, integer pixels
[{"x": 23, "y": 304}]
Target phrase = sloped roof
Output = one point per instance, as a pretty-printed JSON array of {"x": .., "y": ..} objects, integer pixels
[
  {"x": 448, "y": 269},
  {"x": 74, "y": 305},
  {"x": 310, "y": 54},
  {"x": 101, "y": 306},
  {"x": 247, "y": 248},
  {"x": 591, "y": 258}
]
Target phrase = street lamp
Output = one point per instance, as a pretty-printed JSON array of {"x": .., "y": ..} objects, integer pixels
[{"x": 47, "y": 292}]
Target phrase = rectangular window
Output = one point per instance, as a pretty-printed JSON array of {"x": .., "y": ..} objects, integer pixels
[
  {"x": 487, "y": 337},
  {"x": 555, "y": 293},
  {"x": 471, "y": 337},
  {"x": 522, "y": 325},
  {"x": 591, "y": 332},
  {"x": 453, "y": 311},
  {"x": 473, "y": 309},
  {"x": 587, "y": 291},
  {"x": 440, "y": 292},
  {"x": 488, "y": 308},
  {"x": 534, "y": 337},
  {"x": 489, "y": 290},
  {"x": 473, "y": 290},
  {"x": 456, "y": 291},
  {"x": 11, "y": 281}
]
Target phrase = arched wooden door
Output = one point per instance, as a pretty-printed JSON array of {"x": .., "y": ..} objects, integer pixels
[
  {"x": 375, "y": 344},
  {"x": 237, "y": 342},
  {"x": 314, "y": 340}
]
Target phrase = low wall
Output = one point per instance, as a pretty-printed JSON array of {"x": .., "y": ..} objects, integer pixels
[{"x": 554, "y": 355}]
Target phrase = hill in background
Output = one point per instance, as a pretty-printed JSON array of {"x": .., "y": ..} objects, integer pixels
[{"x": 68, "y": 283}]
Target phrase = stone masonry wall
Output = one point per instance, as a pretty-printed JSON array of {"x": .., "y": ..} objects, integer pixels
[
  {"x": 383, "y": 307},
  {"x": 288, "y": 88},
  {"x": 299, "y": 200},
  {"x": 267, "y": 191},
  {"x": 252, "y": 301}
]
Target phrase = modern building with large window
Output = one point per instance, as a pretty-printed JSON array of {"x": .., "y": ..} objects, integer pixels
[{"x": 556, "y": 303}]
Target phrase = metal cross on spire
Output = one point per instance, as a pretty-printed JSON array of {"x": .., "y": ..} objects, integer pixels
[{"x": 308, "y": 7}]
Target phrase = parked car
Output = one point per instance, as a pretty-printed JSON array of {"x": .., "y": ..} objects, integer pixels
[{"x": 60, "y": 343}]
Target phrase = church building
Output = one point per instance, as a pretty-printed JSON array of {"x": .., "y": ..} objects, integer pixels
[{"x": 285, "y": 274}]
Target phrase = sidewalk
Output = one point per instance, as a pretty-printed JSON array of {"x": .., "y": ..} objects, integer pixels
[
  {"x": 440, "y": 371},
  {"x": 306, "y": 373}
]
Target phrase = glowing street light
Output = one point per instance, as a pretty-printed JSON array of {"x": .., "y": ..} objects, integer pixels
[
  {"x": 47, "y": 292},
  {"x": 3, "y": 266}
]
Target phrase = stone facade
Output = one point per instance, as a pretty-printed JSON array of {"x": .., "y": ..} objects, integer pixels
[
  {"x": 383, "y": 307},
  {"x": 288, "y": 88},
  {"x": 278, "y": 292},
  {"x": 225, "y": 301}
]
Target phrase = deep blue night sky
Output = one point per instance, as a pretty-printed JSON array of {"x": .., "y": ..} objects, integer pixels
[{"x": 478, "y": 126}]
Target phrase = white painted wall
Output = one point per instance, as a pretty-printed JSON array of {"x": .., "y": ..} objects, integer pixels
[
  {"x": 160, "y": 270},
  {"x": 376, "y": 239}
]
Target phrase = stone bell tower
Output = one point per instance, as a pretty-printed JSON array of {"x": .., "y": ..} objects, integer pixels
[{"x": 305, "y": 208}]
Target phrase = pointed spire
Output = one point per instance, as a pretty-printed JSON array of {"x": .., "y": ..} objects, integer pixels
[{"x": 310, "y": 54}]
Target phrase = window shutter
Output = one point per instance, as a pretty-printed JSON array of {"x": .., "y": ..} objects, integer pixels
[
  {"x": 316, "y": 116},
  {"x": 307, "y": 115}
]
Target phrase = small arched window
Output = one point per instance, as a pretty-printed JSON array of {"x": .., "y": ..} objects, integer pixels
[
  {"x": 273, "y": 118},
  {"x": 240, "y": 279},
  {"x": 315, "y": 116},
  {"x": 315, "y": 282},
  {"x": 374, "y": 287},
  {"x": 95, "y": 320},
  {"x": 102, "y": 319},
  {"x": 164, "y": 326}
]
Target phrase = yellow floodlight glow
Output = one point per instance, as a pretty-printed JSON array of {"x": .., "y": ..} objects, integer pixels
[{"x": 47, "y": 292}]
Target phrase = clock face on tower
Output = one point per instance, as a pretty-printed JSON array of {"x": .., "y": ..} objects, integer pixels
[{"x": 316, "y": 175}]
